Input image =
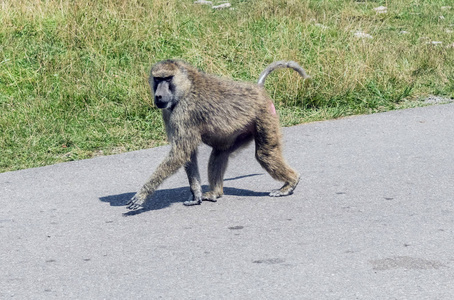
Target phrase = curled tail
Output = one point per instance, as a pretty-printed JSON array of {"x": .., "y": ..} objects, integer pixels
[{"x": 281, "y": 64}]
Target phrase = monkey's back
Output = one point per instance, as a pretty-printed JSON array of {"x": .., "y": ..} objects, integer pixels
[{"x": 225, "y": 109}]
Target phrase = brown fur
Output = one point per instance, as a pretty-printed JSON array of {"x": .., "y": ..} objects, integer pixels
[{"x": 223, "y": 114}]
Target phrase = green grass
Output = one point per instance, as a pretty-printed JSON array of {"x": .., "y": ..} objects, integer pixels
[{"x": 73, "y": 75}]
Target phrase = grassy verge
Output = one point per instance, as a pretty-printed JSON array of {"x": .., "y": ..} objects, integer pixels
[{"x": 73, "y": 74}]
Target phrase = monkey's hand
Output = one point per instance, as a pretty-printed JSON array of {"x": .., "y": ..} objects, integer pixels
[
  {"x": 193, "y": 201},
  {"x": 137, "y": 201}
]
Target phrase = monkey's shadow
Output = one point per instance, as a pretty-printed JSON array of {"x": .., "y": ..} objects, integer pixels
[{"x": 165, "y": 197}]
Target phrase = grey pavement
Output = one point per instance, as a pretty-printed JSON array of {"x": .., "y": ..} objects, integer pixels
[{"x": 372, "y": 218}]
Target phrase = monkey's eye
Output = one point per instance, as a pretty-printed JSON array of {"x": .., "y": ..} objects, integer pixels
[{"x": 161, "y": 79}]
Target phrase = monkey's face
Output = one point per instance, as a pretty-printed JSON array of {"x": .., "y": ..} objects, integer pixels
[
  {"x": 164, "y": 92},
  {"x": 169, "y": 84}
]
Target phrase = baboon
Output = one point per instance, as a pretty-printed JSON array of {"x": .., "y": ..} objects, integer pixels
[{"x": 224, "y": 114}]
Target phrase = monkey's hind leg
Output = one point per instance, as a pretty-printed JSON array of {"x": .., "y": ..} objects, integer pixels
[
  {"x": 216, "y": 170},
  {"x": 268, "y": 152},
  {"x": 275, "y": 165}
]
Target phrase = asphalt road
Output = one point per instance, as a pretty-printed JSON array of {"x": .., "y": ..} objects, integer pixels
[{"x": 372, "y": 218}]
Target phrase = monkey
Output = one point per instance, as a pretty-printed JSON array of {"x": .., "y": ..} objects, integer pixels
[{"x": 225, "y": 114}]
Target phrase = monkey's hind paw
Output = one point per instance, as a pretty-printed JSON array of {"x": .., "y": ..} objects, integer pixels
[
  {"x": 283, "y": 191},
  {"x": 286, "y": 189},
  {"x": 136, "y": 202},
  {"x": 279, "y": 193},
  {"x": 210, "y": 196}
]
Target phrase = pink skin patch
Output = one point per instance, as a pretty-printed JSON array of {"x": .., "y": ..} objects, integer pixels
[{"x": 272, "y": 109}]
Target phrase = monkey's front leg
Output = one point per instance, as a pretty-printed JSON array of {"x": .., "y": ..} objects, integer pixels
[
  {"x": 192, "y": 170},
  {"x": 147, "y": 189},
  {"x": 169, "y": 166}
]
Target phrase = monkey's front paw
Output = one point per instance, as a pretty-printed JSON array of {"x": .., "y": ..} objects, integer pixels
[
  {"x": 136, "y": 202},
  {"x": 193, "y": 201}
]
